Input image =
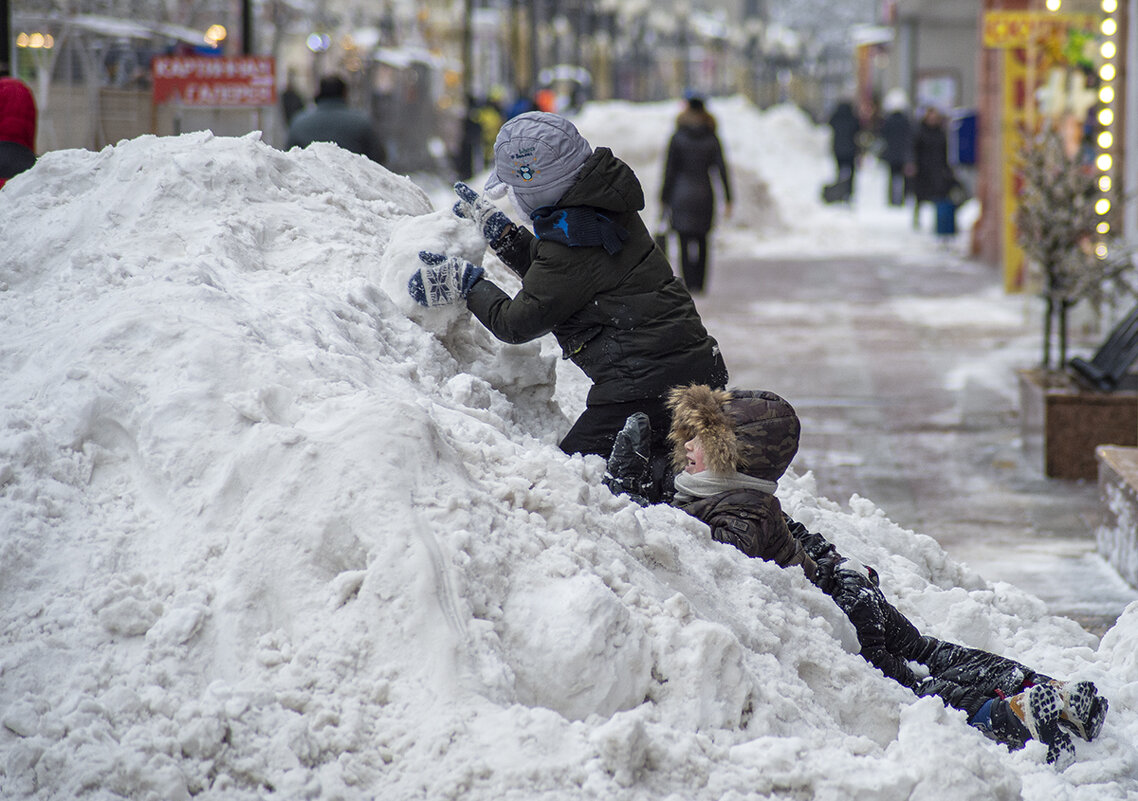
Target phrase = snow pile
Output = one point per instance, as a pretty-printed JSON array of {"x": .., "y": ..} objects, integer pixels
[{"x": 272, "y": 531}]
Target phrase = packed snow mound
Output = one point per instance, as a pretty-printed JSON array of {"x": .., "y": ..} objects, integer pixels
[{"x": 270, "y": 530}]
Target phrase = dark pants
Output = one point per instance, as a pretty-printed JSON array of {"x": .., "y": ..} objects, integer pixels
[
  {"x": 847, "y": 168},
  {"x": 896, "y": 195},
  {"x": 962, "y": 677},
  {"x": 693, "y": 260},
  {"x": 597, "y": 427}
]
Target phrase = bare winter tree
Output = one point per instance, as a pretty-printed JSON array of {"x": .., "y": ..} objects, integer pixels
[{"x": 1056, "y": 222}]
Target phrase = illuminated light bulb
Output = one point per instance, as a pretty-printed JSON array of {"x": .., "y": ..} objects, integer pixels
[
  {"x": 1109, "y": 6},
  {"x": 48, "y": 41},
  {"x": 21, "y": 40},
  {"x": 1104, "y": 183},
  {"x": 1105, "y": 140},
  {"x": 1107, "y": 72},
  {"x": 1102, "y": 206},
  {"x": 1104, "y": 162},
  {"x": 1106, "y": 117},
  {"x": 1053, "y": 5},
  {"x": 1103, "y": 228},
  {"x": 318, "y": 42},
  {"x": 1109, "y": 26},
  {"x": 35, "y": 40},
  {"x": 1101, "y": 251},
  {"x": 1106, "y": 94},
  {"x": 215, "y": 34},
  {"x": 1108, "y": 50}
]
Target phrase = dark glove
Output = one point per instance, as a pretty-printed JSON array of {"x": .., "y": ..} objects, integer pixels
[
  {"x": 627, "y": 469},
  {"x": 442, "y": 280},
  {"x": 491, "y": 222}
]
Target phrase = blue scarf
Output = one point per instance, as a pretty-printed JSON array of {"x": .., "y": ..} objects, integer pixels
[{"x": 578, "y": 226}]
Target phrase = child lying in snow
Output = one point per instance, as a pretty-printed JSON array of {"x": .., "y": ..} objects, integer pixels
[{"x": 731, "y": 447}]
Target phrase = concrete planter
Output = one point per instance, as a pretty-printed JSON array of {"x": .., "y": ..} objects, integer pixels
[{"x": 1069, "y": 422}]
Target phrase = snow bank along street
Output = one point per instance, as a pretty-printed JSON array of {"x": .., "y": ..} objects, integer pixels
[{"x": 270, "y": 530}]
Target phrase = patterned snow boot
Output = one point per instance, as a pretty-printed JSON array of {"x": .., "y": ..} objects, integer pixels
[
  {"x": 1084, "y": 710},
  {"x": 1034, "y": 714}
]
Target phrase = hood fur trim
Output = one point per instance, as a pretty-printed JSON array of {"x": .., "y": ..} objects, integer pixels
[
  {"x": 699, "y": 410},
  {"x": 753, "y": 432}
]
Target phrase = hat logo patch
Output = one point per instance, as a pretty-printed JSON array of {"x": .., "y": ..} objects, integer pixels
[{"x": 526, "y": 172}]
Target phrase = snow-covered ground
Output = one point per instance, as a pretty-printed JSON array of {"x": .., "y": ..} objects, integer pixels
[{"x": 270, "y": 530}]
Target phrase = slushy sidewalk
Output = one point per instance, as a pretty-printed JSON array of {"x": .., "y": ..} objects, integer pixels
[{"x": 903, "y": 372}]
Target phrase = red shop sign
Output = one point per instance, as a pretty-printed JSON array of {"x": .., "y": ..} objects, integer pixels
[{"x": 216, "y": 82}]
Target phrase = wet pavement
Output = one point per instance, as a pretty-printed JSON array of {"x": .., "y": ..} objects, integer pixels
[{"x": 903, "y": 372}]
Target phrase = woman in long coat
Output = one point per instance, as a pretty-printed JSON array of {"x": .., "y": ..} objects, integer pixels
[
  {"x": 687, "y": 195},
  {"x": 933, "y": 177}
]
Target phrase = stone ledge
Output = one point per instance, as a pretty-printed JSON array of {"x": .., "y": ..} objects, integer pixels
[{"x": 1117, "y": 534}]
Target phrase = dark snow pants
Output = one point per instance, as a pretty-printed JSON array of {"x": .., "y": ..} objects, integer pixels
[{"x": 962, "y": 677}]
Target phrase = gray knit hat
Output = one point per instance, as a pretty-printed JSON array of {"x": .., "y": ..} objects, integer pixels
[{"x": 538, "y": 155}]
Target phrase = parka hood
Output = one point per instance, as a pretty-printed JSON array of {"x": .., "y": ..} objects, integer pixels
[
  {"x": 696, "y": 122},
  {"x": 605, "y": 182},
  {"x": 754, "y": 432}
]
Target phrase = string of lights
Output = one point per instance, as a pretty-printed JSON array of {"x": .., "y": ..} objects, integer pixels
[{"x": 1104, "y": 161}]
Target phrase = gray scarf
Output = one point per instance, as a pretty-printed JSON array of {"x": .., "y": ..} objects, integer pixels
[{"x": 690, "y": 486}]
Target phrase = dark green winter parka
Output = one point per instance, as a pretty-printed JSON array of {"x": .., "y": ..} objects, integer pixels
[{"x": 624, "y": 319}]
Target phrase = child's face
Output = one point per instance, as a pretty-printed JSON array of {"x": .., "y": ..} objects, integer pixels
[{"x": 694, "y": 449}]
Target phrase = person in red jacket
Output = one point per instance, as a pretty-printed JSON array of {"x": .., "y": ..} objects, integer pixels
[{"x": 17, "y": 128}]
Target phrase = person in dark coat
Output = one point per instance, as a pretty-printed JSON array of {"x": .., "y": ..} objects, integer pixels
[
  {"x": 688, "y": 197},
  {"x": 291, "y": 101},
  {"x": 333, "y": 121},
  {"x": 845, "y": 126},
  {"x": 932, "y": 176},
  {"x": 17, "y": 128},
  {"x": 897, "y": 144},
  {"x": 591, "y": 274},
  {"x": 729, "y": 450}
]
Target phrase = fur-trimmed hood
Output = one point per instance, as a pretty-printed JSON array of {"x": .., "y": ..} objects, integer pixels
[{"x": 750, "y": 431}]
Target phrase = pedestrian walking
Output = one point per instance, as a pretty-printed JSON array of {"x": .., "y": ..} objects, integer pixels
[
  {"x": 932, "y": 177},
  {"x": 687, "y": 195},
  {"x": 292, "y": 103},
  {"x": 897, "y": 144},
  {"x": 845, "y": 127},
  {"x": 333, "y": 121}
]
